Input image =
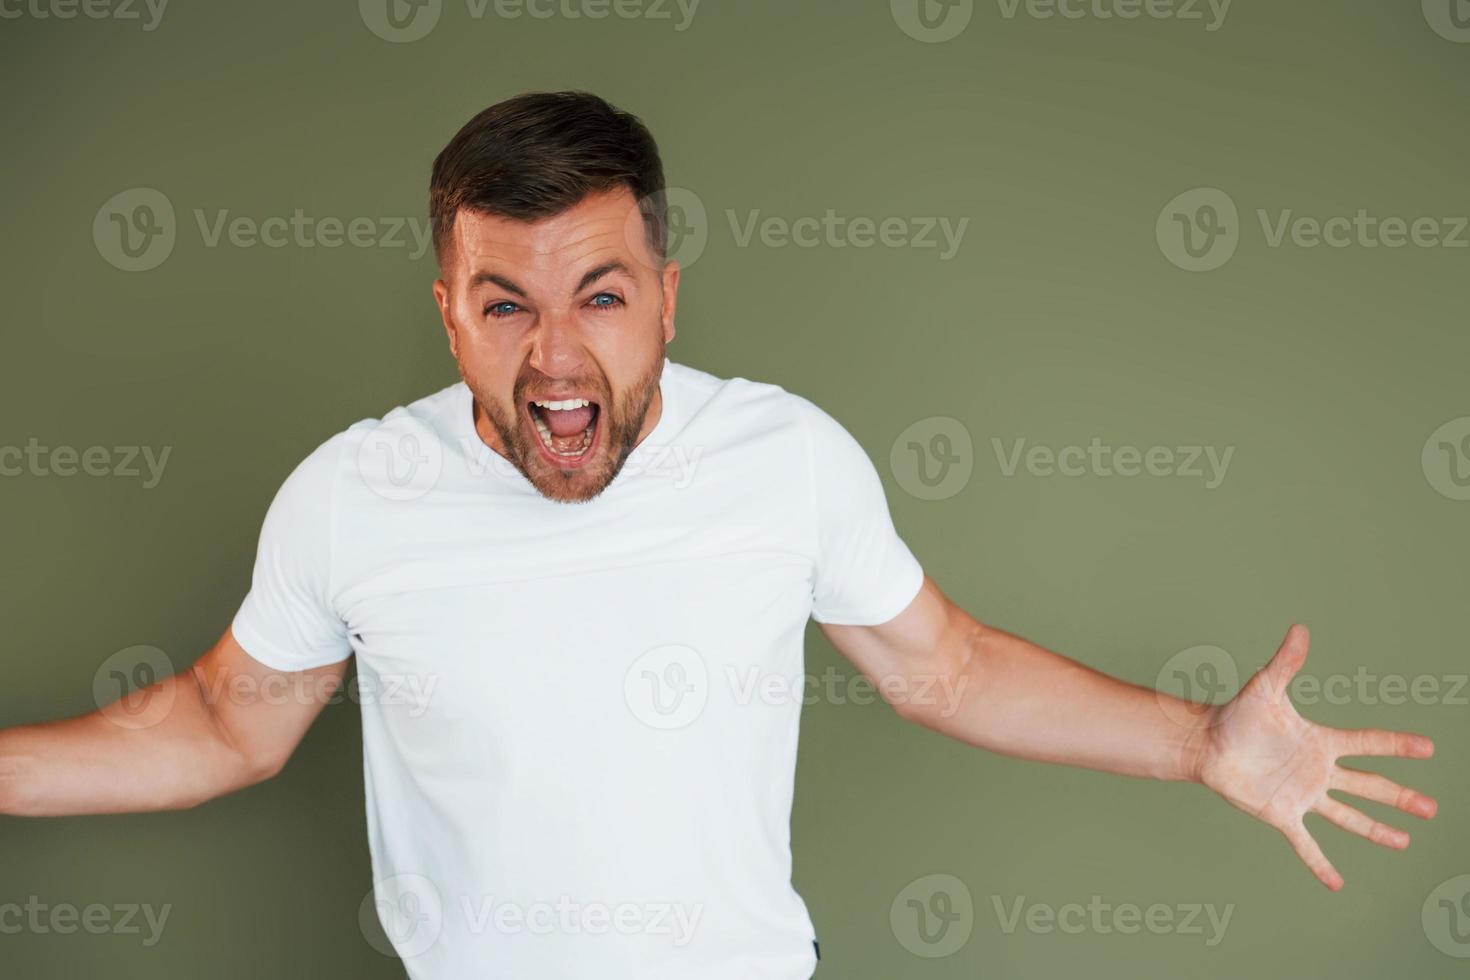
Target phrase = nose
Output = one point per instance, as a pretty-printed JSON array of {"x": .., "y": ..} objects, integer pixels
[{"x": 556, "y": 346}]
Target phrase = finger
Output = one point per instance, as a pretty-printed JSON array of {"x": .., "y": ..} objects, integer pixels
[
  {"x": 1356, "y": 821},
  {"x": 1381, "y": 789},
  {"x": 1306, "y": 848},
  {"x": 1288, "y": 659},
  {"x": 1377, "y": 741}
]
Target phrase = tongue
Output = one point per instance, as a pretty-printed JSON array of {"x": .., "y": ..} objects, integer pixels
[{"x": 570, "y": 422}]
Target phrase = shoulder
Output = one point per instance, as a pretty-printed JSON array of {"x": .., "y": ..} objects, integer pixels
[
  {"x": 386, "y": 449},
  {"x": 760, "y": 403}
]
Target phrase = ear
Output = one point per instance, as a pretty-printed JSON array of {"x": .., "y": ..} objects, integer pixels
[
  {"x": 441, "y": 300},
  {"x": 670, "y": 284}
]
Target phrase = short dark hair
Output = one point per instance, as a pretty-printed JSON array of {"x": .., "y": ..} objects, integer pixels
[{"x": 537, "y": 154}]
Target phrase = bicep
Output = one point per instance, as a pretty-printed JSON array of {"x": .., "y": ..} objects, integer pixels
[
  {"x": 926, "y": 639},
  {"x": 261, "y": 711}
]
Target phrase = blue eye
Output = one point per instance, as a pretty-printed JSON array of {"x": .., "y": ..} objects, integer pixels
[
  {"x": 500, "y": 309},
  {"x": 612, "y": 300}
]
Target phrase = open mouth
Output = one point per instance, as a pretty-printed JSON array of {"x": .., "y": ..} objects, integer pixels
[{"x": 566, "y": 429}]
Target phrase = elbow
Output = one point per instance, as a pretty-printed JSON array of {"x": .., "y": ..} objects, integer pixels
[
  {"x": 260, "y": 767},
  {"x": 911, "y": 713},
  {"x": 231, "y": 771},
  {"x": 241, "y": 773},
  {"x": 929, "y": 699},
  {"x": 933, "y": 711},
  {"x": 936, "y": 695}
]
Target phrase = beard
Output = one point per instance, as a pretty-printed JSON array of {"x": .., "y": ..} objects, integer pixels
[{"x": 619, "y": 421}]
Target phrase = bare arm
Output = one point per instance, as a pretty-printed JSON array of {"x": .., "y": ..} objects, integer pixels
[
  {"x": 998, "y": 691},
  {"x": 225, "y": 723},
  {"x": 1003, "y": 693}
]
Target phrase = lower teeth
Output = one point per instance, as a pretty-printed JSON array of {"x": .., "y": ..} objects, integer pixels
[{"x": 546, "y": 438}]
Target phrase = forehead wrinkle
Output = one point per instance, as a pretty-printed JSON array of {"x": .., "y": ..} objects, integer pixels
[
  {"x": 593, "y": 241},
  {"x": 570, "y": 270}
]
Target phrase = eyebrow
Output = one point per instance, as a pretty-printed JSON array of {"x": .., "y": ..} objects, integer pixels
[{"x": 591, "y": 276}]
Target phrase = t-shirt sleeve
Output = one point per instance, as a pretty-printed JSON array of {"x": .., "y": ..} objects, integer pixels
[
  {"x": 288, "y": 620},
  {"x": 865, "y": 573}
]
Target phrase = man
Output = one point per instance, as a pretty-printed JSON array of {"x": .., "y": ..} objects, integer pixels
[{"x": 573, "y": 784}]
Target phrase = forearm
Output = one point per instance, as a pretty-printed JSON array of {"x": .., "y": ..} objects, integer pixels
[
  {"x": 1019, "y": 699},
  {"x": 94, "y": 764}
]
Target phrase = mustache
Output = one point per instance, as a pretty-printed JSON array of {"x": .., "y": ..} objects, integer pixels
[{"x": 528, "y": 389}]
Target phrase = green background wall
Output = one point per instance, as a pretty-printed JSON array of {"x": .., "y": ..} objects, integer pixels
[{"x": 1060, "y": 319}]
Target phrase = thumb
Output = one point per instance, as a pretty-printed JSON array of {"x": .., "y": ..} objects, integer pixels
[{"x": 1287, "y": 661}]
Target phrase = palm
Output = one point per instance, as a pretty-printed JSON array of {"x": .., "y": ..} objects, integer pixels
[{"x": 1263, "y": 757}]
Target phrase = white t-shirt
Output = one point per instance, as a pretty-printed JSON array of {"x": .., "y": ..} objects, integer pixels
[{"x": 580, "y": 720}]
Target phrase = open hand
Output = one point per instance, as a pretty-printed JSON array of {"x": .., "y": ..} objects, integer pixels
[{"x": 1269, "y": 761}]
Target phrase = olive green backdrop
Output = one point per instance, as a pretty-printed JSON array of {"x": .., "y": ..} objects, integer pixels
[{"x": 1335, "y": 375}]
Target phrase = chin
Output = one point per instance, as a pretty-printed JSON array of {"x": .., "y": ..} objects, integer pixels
[{"x": 568, "y": 486}]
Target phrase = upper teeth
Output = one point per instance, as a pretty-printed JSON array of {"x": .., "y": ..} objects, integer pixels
[{"x": 566, "y": 405}]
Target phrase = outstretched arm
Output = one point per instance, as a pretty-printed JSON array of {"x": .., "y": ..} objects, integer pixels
[
  {"x": 223, "y": 724},
  {"x": 997, "y": 691}
]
